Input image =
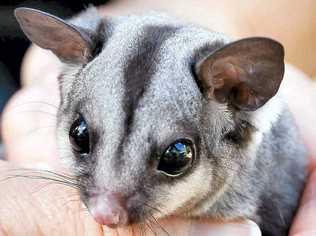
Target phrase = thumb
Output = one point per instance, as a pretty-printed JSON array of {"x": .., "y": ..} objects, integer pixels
[
  {"x": 240, "y": 228},
  {"x": 186, "y": 227}
]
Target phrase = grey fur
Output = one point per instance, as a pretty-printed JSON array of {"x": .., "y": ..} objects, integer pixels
[{"x": 139, "y": 93}]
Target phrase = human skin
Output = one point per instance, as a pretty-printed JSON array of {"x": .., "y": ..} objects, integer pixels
[
  {"x": 35, "y": 207},
  {"x": 28, "y": 125}
]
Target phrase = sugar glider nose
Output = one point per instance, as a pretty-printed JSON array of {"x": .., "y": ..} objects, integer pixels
[{"x": 108, "y": 209}]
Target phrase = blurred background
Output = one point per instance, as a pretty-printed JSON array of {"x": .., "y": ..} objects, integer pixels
[{"x": 13, "y": 43}]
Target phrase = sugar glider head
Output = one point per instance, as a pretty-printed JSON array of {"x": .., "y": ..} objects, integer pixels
[{"x": 155, "y": 115}]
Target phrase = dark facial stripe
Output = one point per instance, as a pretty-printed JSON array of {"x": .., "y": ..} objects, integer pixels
[
  {"x": 140, "y": 69},
  {"x": 101, "y": 36}
]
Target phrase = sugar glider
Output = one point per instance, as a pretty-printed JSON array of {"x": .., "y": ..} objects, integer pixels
[{"x": 160, "y": 117}]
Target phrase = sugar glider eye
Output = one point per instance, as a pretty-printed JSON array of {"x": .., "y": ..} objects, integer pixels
[
  {"x": 79, "y": 136},
  {"x": 177, "y": 158}
]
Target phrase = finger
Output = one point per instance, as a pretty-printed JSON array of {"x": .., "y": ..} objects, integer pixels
[
  {"x": 247, "y": 228},
  {"x": 304, "y": 222},
  {"x": 40, "y": 206},
  {"x": 187, "y": 228},
  {"x": 39, "y": 67},
  {"x": 28, "y": 126},
  {"x": 300, "y": 94}
]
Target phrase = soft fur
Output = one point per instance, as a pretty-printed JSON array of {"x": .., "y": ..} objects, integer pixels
[{"x": 138, "y": 92}]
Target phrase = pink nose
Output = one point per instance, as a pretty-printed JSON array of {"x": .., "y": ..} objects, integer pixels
[{"x": 108, "y": 209}]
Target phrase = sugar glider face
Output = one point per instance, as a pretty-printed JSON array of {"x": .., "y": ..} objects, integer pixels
[{"x": 155, "y": 115}]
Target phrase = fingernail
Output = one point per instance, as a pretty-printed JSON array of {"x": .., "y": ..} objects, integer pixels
[{"x": 244, "y": 228}]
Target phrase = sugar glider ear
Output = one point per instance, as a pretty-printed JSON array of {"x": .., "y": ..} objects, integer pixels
[
  {"x": 245, "y": 73},
  {"x": 70, "y": 43}
]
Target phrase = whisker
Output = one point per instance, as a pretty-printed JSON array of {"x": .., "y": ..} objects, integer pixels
[
  {"x": 142, "y": 229},
  {"x": 30, "y": 170},
  {"x": 42, "y": 187},
  {"x": 69, "y": 201},
  {"x": 159, "y": 225},
  {"x": 38, "y": 102},
  {"x": 56, "y": 181},
  {"x": 47, "y": 175},
  {"x": 154, "y": 208},
  {"x": 149, "y": 226},
  {"x": 40, "y": 111}
]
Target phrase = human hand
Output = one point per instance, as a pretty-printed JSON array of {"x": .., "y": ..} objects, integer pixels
[
  {"x": 31, "y": 144},
  {"x": 31, "y": 207},
  {"x": 29, "y": 119},
  {"x": 300, "y": 92}
]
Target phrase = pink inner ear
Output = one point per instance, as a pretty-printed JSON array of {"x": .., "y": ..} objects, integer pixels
[
  {"x": 226, "y": 67},
  {"x": 231, "y": 82},
  {"x": 245, "y": 73},
  {"x": 224, "y": 77}
]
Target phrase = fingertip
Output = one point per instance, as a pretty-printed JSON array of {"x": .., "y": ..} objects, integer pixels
[
  {"x": 304, "y": 222},
  {"x": 254, "y": 228},
  {"x": 245, "y": 228}
]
